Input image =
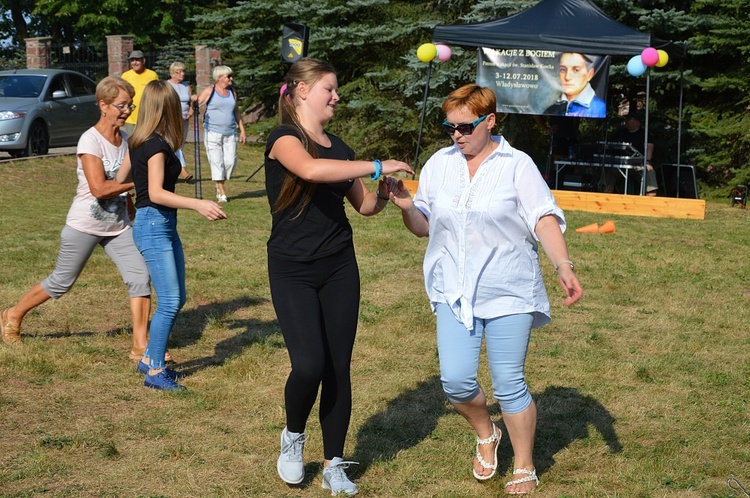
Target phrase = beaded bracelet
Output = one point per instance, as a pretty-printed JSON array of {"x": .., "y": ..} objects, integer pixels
[
  {"x": 566, "y": 261},
  {"x": 381, "y": 197},
  {"x": 378, "y": 167}
]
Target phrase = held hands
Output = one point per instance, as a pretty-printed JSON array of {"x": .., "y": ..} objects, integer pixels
[
  {"x": 210, "y": 210},
  {"x": 569, "y": 283},
  {"x": 396, "y": 192},
  {"x": 386, "y": 185}
]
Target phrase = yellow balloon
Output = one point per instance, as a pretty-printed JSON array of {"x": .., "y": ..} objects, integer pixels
[
  {"x": 663, "y": 58},
  {"x": 426, "y": 52}
]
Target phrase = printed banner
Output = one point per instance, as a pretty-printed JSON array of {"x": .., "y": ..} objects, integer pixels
[{"x": 545, "y": 81}]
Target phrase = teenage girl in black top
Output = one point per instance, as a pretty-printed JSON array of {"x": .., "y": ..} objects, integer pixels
[{"x": 312, "y": 268}]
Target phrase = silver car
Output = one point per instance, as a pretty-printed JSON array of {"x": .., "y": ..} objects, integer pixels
[{"x": 43, "y": 108}]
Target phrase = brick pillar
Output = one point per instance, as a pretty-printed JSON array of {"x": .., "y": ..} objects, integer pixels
[
  {"x": 205, "y": 61},
  {"x": 38, "y": 52},
  {"x": 118, "y": 49}
]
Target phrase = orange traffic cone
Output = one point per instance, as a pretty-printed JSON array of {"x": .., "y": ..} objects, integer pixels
[
  {"x": 608, "y": 227},
  {"x": 593, "y": 228}
]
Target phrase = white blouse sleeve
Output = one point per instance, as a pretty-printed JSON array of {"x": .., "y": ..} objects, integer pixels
[
  {"x": 535, "y": 198},
  {"x": 422, "y": 199}
]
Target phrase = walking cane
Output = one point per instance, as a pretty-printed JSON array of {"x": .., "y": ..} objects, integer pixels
[{"x": 197, "y": 152}]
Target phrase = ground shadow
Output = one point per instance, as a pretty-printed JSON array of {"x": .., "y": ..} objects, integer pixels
[
  {"x": 407, "y": 420},
  {"x": 564, "y": 417},
  {"x": 255, "y": 331},
  {"x": 253, "y": 194},
  {"x": 191, "y": 322},
  {"x": 194, "y": 322},
  {"x": 190, "y": 327}
]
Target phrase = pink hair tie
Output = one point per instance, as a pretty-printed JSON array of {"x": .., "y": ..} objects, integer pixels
[{"x": 283, "y": 89}]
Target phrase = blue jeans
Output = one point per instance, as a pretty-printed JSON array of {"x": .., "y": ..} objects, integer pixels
[
  {"x": 507, "y": 342},
  {"x": 155, "y": 235}
]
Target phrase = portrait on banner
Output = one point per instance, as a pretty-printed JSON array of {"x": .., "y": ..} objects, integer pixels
[{"x": 545, "y": 82}]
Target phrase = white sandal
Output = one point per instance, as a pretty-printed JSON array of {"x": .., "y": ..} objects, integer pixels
[
  {"x": 530, "y": 476},
  {"x": 494, "y": 438}
]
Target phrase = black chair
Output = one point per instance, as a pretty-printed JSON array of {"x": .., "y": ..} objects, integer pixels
[{"x": 679, "y": 180}]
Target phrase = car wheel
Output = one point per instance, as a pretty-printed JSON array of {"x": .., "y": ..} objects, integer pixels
[{"x": 38, "y": 143}]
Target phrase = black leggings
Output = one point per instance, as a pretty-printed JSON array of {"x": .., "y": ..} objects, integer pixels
[{"x": 317, "y": 305}]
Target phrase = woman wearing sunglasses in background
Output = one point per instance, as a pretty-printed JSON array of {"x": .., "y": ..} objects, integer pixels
[{"x": 485, "y": 207}]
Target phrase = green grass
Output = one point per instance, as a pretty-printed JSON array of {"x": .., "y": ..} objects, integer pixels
[{"x": 642, "y": 388}]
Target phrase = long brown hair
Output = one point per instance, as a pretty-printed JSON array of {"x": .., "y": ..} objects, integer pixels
[
  {"x": 159, "y": 112},
  {"x": 310, "y": 71}
]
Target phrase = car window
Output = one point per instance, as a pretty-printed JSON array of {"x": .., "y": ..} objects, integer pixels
[
  {"x": 81, "y": 86},
  {"x": 56, "y": 84},
  {"x": 17, "y": 85}
]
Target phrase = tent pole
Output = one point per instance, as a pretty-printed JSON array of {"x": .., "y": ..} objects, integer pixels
[
  {"x": 679, "y": 122},
  {"x": 645, "y": 144},
  {"x": 421, "y": 119}
]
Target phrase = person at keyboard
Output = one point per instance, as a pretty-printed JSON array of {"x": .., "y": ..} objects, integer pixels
[{"x": 632, "y": 132}]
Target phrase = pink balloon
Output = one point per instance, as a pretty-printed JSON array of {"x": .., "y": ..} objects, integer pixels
[
  {"x": 650, "y": 56},
  {"x": 443, "y": 52}
]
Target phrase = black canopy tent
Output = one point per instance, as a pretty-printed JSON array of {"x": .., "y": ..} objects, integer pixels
[{"x": 560, "y": 25}]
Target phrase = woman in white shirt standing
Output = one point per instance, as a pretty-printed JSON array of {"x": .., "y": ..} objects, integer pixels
[
  {"x": 177, "y": 81},
  {"x": 485, "y": 207}
]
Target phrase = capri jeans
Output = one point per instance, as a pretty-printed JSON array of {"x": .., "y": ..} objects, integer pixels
[
  {"x": 222, "y": 154},
  {"x": 76, "y": 248},
  {"x": 155, "y": 234},
  {"x": 507, "y": 342}
]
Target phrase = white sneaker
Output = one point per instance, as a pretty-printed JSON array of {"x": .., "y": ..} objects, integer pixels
[
  {"x": 223, "y": 199},
  {"x": 290, "y": 466},
  {"x": 335, "y": 479}
]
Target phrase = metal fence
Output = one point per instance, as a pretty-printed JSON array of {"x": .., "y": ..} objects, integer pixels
[
  {"x": 88, "y": 59},
  {"x": 91, "y": 60}
]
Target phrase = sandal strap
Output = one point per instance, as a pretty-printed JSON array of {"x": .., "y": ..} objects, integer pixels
[
  {"x": 490, "y": 439},
  {"x": 484, "y": 464},
  {"x": 494, "y": 438},
  {"x": 530, "y": 476}
]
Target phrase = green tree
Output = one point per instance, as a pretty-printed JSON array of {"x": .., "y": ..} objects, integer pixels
[
  {"x": 153, "y": 23},
  {"x": 716, "y": 123},
  {"x": 720, "y": 115},
  {"x": 13, "y": 25},
  {"x": 373, "y": 45}
]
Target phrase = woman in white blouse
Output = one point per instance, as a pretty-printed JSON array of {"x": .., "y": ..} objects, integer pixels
[{"x": 485, "y": 207}]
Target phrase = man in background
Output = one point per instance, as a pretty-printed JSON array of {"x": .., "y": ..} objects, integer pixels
[
  {"x": 634, "y": 134},
  {"x": 139, "y": 77}
]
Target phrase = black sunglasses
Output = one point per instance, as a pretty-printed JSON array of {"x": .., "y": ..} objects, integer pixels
[{"x": 463, "y": 128}]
